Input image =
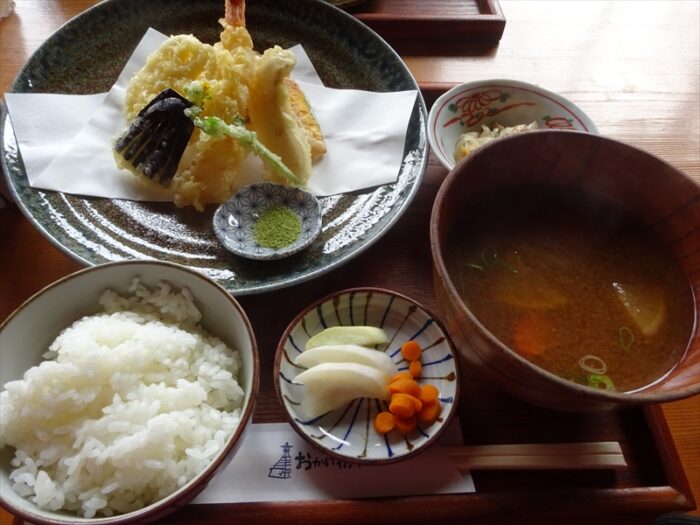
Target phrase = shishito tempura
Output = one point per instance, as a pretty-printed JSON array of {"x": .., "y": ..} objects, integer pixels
[{"x": 243, "y": 89}]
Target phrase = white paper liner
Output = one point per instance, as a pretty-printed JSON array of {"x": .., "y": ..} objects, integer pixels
[{"x": 66, "y": 140}]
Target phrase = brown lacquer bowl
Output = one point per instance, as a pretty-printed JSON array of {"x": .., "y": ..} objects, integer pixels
[{"x": 642, "y": 184}]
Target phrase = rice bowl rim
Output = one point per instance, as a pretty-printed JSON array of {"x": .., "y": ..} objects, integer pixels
[{"x": 173, "y": 501}]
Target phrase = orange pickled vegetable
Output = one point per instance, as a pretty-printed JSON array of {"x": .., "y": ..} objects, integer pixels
[
  {"x": 428, "y": 394},
  {"x": 405, "y": 386},
  {"x": 384, "y": 422},
  {"x": 410, "y": 351},
  {"x": 405, "y": 424},
  {"x": 417, "y": 403},
  {"x": 402, "y": 405},
  {"x": 414, "y": 367},
  {"x": 401, "y": 375},
  {"x": 430, "y": 412}
]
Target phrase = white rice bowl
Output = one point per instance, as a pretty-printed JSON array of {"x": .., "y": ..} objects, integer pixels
[{"x": 129, "y": 406}]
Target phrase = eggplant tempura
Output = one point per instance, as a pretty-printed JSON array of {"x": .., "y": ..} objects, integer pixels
[{"x": 244, "y": 103}]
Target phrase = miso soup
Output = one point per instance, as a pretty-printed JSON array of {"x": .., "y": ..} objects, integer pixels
[{"x": 575, "y": 285}]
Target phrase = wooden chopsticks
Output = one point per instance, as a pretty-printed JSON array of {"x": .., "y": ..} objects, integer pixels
[{"x": 554, "y": 456}]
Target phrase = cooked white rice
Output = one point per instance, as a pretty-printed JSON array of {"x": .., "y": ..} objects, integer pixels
[{"x": 129, "y": 406}]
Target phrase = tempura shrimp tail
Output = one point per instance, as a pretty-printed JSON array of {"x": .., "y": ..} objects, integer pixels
[
  {"x": 234, "y": 13},
  {"x": 235, "y": 37}
]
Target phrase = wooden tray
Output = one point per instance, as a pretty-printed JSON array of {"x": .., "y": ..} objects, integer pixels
[
  {"x": 653, "y": 482},
  {"x": 426, "y": 23}
]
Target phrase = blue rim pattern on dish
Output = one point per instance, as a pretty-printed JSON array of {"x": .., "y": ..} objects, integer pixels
[
  {"x": 234, "y": 221},
  {"x": 348, "y": 432},
  {"x": 345, "y": 53}
]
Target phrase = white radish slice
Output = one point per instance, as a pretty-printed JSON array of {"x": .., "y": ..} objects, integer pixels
[
  {"x": 331, "y": 385},
  {"x": 346, "y": 354},
  {"x": 645, "y": 305}
]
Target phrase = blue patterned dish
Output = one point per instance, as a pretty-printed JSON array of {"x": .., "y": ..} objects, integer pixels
[
  {"x": 348, "y": 432},
  {"x": 234, "y": 221}
]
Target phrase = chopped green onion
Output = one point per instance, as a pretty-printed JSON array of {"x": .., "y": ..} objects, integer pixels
[
  {"x": 600, "y": 381},
  {"x": 489, "y": 263},
  {"x": 626, "y": 337},
  {"x": 593, "y": 364},
  {"x": 495, "y": 260},
  {"x": 475, "y": 266}
]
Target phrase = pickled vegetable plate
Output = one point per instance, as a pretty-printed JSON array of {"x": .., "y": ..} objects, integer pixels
[{"x": 348, "y": 432}]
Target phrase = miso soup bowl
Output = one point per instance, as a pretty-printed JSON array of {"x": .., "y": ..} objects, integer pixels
[
  {"x": 26, "y": 334},
  {"x": 647, "y": 187}
]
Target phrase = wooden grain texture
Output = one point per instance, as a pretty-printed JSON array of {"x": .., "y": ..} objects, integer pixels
[
  {"x": 634, "y": 67},
  {"x": 442, "y": 8},
  {"x": 420, "y": 26}
]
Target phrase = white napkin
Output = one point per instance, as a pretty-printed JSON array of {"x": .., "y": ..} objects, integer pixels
[
  {"x": 66, "y": 140},
  {"x": 262, "y": 470}
]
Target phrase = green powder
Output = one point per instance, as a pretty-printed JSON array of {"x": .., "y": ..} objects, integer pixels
[{"x": 277, "y": 227}]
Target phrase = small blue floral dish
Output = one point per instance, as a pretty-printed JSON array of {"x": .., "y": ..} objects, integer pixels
[
  {"x": 348, "y": 432},
  {"x": 238, "y": 223}
]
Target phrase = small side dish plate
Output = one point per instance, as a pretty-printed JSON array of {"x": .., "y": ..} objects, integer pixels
[
  {"x": 348, "y": 432},
  {"x": 235, "y": 220},
  {"x": 469, "y": 106}
]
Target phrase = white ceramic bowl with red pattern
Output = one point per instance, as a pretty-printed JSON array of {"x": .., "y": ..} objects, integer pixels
[{"x": 470, "y": 106}]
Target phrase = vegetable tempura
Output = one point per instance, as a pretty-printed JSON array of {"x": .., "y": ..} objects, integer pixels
[{"x": 241, "y": 88}]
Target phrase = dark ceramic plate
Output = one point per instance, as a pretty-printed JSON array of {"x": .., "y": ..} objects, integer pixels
[
  {"x": 345, "y": 3},
  {"x": 86, "y": 55}
]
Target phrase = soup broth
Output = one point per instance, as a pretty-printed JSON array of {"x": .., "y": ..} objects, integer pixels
[{"x": 575, "y": 285}]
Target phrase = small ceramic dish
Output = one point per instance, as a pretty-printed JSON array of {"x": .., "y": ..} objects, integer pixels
[
  {"x": 468, "y": 106},
  {"x": 235, "y": 220},
  {"x": 348, "y": 432},
  {"x": 27, "y": 333}
]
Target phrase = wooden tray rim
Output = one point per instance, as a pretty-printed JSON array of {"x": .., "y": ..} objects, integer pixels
[{"x": 675, "y": 496}]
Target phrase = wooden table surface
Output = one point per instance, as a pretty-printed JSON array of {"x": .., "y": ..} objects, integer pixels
[{"x": 633, "y": 67}]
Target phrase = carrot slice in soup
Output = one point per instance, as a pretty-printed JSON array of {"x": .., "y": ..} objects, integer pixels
[{"x": 532, "y": 335}]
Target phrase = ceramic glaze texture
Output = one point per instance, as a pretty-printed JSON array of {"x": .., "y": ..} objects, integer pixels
[
  {"x": 467, "y": 107},
  {"x": 235, "y": 220},
  {"x": 348, "y": 432},
  {"x": 92, "y": 230}
]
